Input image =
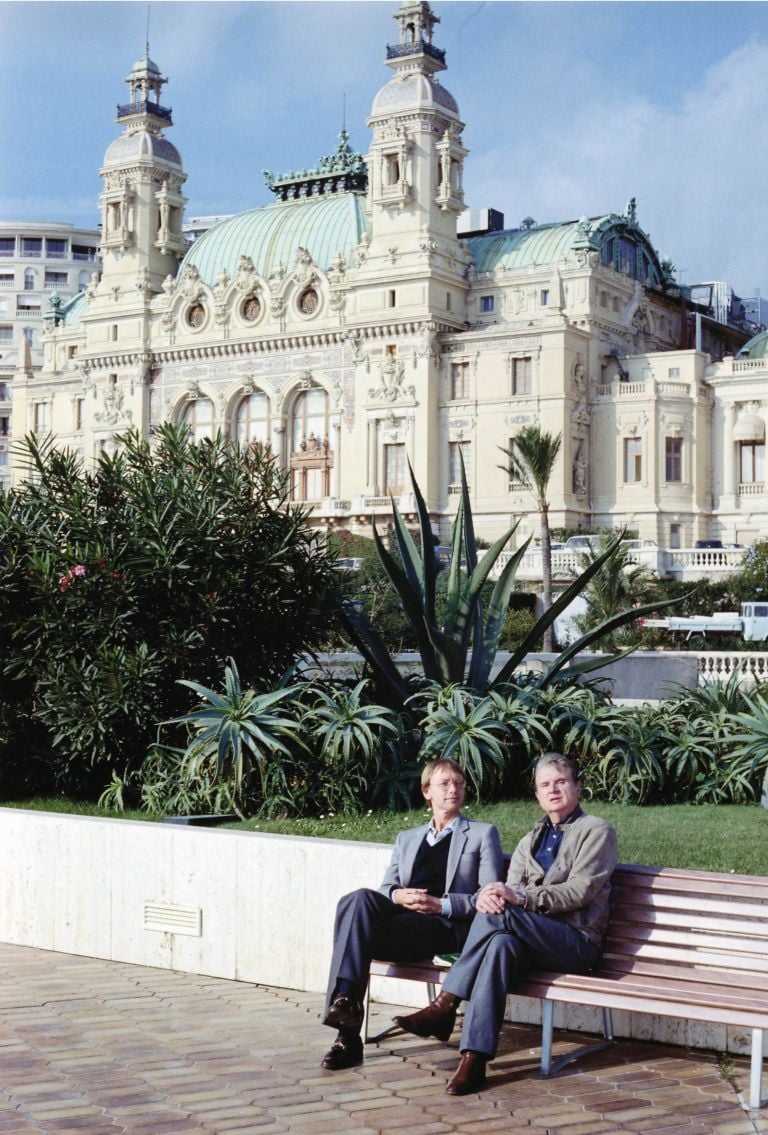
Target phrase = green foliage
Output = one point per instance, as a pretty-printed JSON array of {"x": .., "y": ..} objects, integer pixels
[
  {"x": 619, "y": 585},
  {"x": 467, "y": 728},
  {"x": 466, "y": 620},
  {"x": 237, "y": 731},
  {"x": 116, "y": 580}
]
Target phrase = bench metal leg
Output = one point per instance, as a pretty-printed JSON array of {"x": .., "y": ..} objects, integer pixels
[
  {"x": 550, "y": 1067},
  {"x": 756, "y": 1070}
]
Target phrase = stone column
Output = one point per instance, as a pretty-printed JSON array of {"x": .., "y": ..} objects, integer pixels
[{"x": 729, "y": 457}]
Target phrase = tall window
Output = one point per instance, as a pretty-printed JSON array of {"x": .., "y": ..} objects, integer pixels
[
  {"x": 311, "y": 456},
  {"x": 633, "y": 459},
  {"x": 459, "y": 380},
  {"x": 521, "y": 376},
  {"x": 752, "y": 462},
  {"x": 456, "y": 451},
  {"x": 673, "y": 460},
  {"x": 252, "y": 425},
  {"x": 198, "y": 416},
  {"x": 41, "y": 418},
  {"x": 394, "y": 468},
  {"x": 487, "y": 304},
  {"x": 29, "y": 336},
  {"x": 29, "y": 280}
]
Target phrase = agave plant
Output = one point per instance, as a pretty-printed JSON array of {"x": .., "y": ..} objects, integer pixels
[
  {"x": 465, "y": 647},
  {"x": 237, "y": 730},
  {"x": 348, "y": 727},
  {"x": 467, "y": 728}
]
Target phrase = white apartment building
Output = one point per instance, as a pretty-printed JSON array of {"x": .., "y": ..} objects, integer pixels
[{"x": 37, "y": 259}]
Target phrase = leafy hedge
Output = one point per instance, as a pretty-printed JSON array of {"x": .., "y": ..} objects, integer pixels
[{"x": 117, "y": 581}]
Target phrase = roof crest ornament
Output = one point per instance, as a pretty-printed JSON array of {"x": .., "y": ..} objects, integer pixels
[{"x": 342, "y": 170}]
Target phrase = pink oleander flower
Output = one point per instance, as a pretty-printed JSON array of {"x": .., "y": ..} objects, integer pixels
[
  {"x": 64, "y": 582},
  {"x": 78, "y": 570}
]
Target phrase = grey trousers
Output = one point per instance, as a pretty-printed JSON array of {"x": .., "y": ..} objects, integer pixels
[
  {"x": 497, "y": 952},
  {"x": 369, "y": 925}
]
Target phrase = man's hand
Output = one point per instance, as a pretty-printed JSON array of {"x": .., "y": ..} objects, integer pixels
[
  {"x": 415, "y": 898},
  {"x": 494, "y": 897}
]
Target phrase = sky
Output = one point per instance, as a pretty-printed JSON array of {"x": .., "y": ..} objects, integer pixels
[{"x": 571, "y": 108}]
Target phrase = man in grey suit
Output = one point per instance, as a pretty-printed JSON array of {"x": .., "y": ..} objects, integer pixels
[
  {"x": 424, "y": 905},
  {"x": 550, "y": 914}
]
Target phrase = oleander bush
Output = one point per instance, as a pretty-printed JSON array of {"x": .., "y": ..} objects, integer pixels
[{"x": 118, "y": 580}]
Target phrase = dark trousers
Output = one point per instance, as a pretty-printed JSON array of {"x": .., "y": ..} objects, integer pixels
[
  {"x": 369, "y": 925},
  {"x": 498, "y": 951}
]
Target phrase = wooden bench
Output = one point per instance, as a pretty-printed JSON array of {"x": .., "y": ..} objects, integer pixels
[{"x": 688, "y": 944}]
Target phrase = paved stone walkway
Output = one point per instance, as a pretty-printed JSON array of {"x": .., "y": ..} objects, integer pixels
[{"x": 100, "y": 1048}]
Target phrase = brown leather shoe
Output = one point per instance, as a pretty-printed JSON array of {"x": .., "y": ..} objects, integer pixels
[
  {"x": 436, "y": 1020},
  {"x": 469, "y": 1076}
]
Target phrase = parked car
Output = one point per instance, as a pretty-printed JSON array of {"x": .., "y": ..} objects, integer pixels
[
  {"x": 581, "y": 543},
  {"x": 349, "y": 563},
  {"x": 708, "y": 544}
]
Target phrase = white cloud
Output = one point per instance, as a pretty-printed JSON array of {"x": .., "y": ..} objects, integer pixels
[{"x": 697, "y": 168}]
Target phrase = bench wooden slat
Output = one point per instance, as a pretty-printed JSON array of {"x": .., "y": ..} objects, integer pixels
[
  {"x": 665, "y": 988},
  {"x": 668, "y": 900},
  {"x": 656, "y": 921},
  {"x": 751, "y": 887},
  {"x": 684, "y": 956},
  {"x": 757, "y": 981}
]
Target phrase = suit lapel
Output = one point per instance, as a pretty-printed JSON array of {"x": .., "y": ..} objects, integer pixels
[{"x": 455, "y": 852}]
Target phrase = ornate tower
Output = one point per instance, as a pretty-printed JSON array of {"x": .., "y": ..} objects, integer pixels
[
  {"x": 417, "y": 157},
  {"x": 141, "y": 204}
]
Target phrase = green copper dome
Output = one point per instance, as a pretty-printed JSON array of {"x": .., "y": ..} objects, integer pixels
[
  {"x": 756, "y": 348},
  {"x": 273, "y": 234}
]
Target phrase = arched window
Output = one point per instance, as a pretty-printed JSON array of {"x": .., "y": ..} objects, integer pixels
[
  {"x": 198, "y": 416},
  {"x": 311, "y": 455},
  {"x": 252, "y": 421},
  {"x": 29, "y": 280}
]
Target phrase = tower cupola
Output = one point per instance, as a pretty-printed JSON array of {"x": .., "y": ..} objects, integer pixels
[
  {"x": 141, "y": 204},
  {"x": 415, "y": 49}
]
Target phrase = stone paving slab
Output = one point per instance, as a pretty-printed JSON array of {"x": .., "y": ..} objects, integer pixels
[{"x": 89, "y": 1047}]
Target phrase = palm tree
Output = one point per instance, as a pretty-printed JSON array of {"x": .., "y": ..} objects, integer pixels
[
  {"x": 531, "y": 460},
  {"x": 619, "y": 585}
]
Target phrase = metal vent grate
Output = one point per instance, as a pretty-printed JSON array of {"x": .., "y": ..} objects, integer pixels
[{"x": 173, "y": 919}]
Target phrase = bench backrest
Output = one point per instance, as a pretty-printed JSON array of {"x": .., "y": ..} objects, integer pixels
[{"x": 714, "y": 922}]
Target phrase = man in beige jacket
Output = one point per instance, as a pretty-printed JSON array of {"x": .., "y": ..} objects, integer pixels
[{"x": 550, "y": 914}]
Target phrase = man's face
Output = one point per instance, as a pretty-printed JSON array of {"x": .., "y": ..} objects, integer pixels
[
  {"x": 557, "y": 792},
  {"x": 445, "y": 793}
]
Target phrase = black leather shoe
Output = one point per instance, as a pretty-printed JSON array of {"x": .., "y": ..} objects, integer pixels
[
  {"x": 469, "y": 1076},
  {"x": 344, "y": 1013},
  {"x": 436, "y": 1020},
  {"x": 345, "y": 1052}
]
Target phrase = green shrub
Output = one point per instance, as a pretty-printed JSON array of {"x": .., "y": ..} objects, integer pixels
[{"x": 117, "y": 581}]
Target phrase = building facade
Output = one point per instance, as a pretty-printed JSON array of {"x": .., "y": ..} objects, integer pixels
[
  {"x": 37, "y": 260},
  {"x": 364, "y": 321}
]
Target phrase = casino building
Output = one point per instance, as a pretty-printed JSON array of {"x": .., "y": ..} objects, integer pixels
[{"x": 365, "y": 318}]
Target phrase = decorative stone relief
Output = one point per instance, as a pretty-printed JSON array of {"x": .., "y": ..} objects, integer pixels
[
  {"x": 113, "y": 409},
  {"x": 391, "y": 385},
  {"x": 245, "y": 278},
  {"x": 191, "y": 286},
  {"x": 304, "y": 271}
]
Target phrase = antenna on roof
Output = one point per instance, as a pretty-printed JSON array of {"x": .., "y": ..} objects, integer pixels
[
  {"x": 344, "y": 111},
  {"x": 149, "y": 7}
]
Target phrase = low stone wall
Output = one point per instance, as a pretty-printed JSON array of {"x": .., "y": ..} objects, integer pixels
[{"x": 242, "y": 905}]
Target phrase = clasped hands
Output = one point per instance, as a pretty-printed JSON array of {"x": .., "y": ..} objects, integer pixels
[
  {"x": 416, "y": 898},
  {"x": 494, "y": 897}
]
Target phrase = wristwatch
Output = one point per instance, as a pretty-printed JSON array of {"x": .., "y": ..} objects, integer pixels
[{"x": 520, "y": 895}]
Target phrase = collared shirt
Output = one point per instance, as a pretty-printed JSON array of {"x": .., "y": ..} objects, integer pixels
[
  {"x": 432, "y": 837},
  {"x": 549, "y": 844}
]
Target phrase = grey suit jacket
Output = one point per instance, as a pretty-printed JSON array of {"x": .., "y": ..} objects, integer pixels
[{"x": 475, "y": 858}]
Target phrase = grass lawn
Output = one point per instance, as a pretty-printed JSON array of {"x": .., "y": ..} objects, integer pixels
[{"x": 712, "y": 837}]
